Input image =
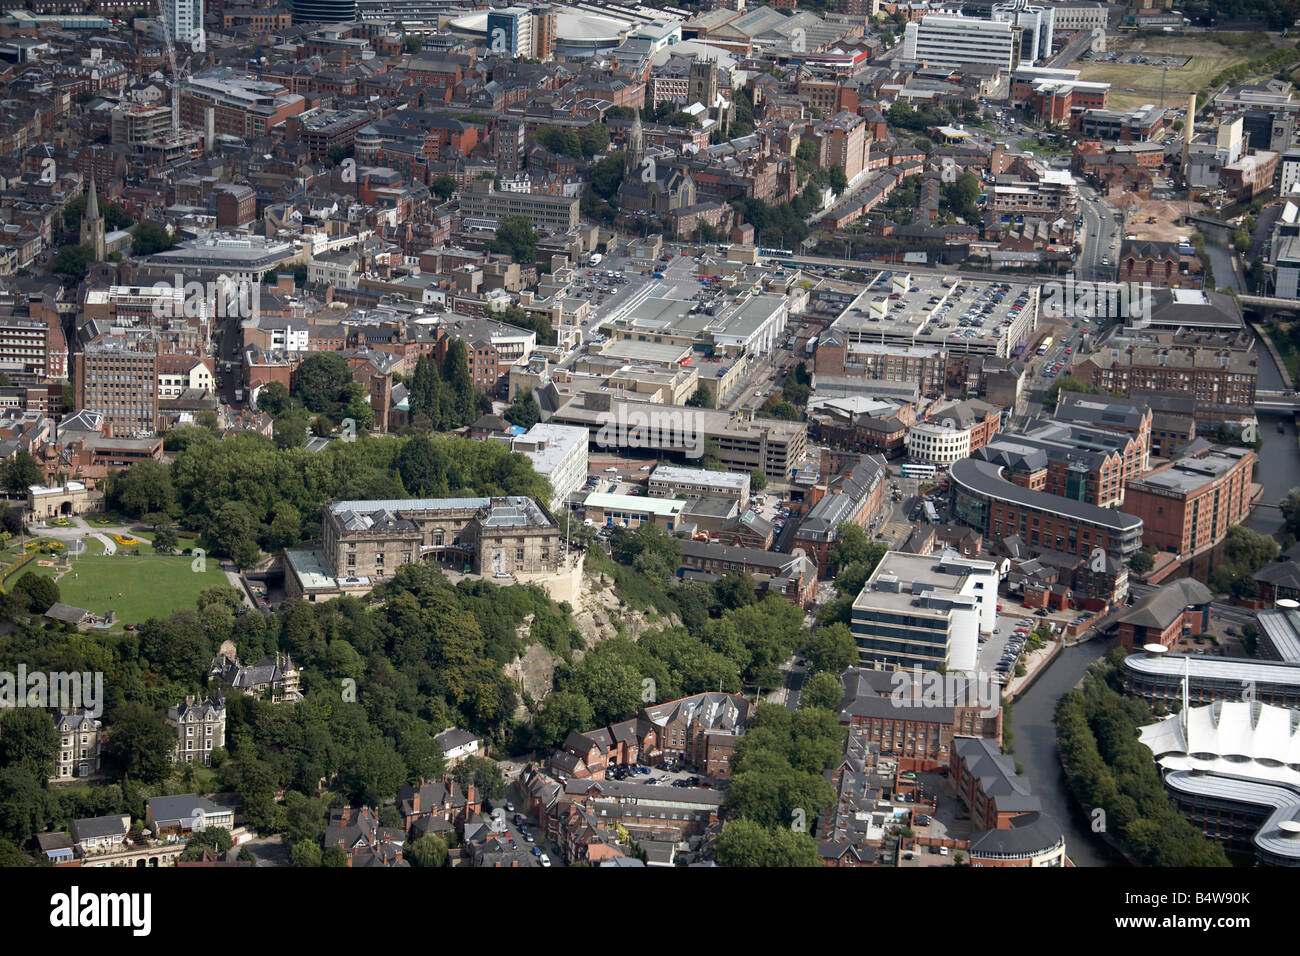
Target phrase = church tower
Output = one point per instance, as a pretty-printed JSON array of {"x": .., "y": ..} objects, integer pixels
[
  {"x": 635, "y": 153},
  {"x": 92, "y": 225}
]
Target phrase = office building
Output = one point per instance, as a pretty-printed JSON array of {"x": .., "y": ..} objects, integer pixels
[
  {"x": 670, "y": 481},
  {"x": 956, "y": 41},
  {"x": 323, "y": 11},
  {"x": 558, "y": 454},
  {"x": 985, "y": 499},
  {"x": 926, "y": 611}
]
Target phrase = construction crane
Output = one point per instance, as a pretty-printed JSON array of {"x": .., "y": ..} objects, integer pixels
[{"x": 176, "y": 77}]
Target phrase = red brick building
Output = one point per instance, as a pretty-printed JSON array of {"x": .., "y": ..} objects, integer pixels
[
  {"x": 1177, "y": 608},
  {"x": 1189, "y": 505}
]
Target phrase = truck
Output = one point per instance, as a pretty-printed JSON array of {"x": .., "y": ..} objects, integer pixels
[
  {"x": 239, "y": 394},
  {"x": 596, "y": 258}
]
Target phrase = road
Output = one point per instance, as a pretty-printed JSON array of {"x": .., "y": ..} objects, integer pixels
[{"x": 1099, "y": 238}]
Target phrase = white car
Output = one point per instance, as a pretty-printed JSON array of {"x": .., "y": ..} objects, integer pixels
[
  {"x": 546, "y": 860},
  {"x": 611, "y": 470}
]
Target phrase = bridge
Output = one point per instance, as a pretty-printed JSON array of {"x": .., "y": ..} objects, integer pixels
[
  {"x": 1276, "y": 402},
  {"x": 1268, "y": 304}
]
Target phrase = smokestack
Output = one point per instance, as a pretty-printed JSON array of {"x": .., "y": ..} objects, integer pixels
[{"x": 209, "y": 128}]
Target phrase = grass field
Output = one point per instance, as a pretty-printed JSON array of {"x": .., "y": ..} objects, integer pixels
[
  {"x": 150, "y": 585},
  {"x": 1207, "y": 59}
]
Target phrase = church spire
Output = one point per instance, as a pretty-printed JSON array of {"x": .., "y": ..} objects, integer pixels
[
  {"x": 635, "y": 144},
  {"x": 92, "y": 224}
]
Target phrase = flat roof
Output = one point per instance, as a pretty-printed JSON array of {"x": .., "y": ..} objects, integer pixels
[
  {"x": 666, "y": 507},
  {"x": 1238, "y": 671},
  {"x": 702, "y": 476}
]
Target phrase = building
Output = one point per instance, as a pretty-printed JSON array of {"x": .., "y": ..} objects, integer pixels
[
  {"x": 1173, "y": 611},
  {"x": 323, "y": 11},
  {"x": 365, "y": 542},
  {"x": 482, "y": 204},
  {"x": 273, "y": 679},
  {"x": 1189, "y": 504},
  {"x": 182, "y": 21},
  {"x": 855, "y": 497},
  {"x": 632, "y": 511},
  {"x": 743, "y": 444},
  {"x": 120, "y": 383},
  {"x": 1029, "y": 839},
  {"x": 32, "y": 350},
  {"x": 793, "y": 576},
  {"x": 925, "y": 611},
  {"x": 937, "y": 444},
  {"x": 183, "y": 815},
  {"x": 78, "y": 751},
  {"x": 985, "y": 499},
  {"x": 200, "y": 727},
  {"x": 558, "y": 454},
  {"x": 670, "y": 481},
  {"x": 956, "y": 41},
  {"x": 1229, "y": 766},
  {"x": 457, "y": 745},
  {"x": 887, "y": 710},
  {"x": 92, "y": 221},
  {"x": 1158, "y": 677}
]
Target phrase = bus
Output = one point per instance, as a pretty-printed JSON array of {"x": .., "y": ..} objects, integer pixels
[
  {"x": 919, "y": 470},
  {"x": 1046, "y": 344}
]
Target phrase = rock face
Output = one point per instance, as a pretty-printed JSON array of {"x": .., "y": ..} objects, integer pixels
[{"x": 594, "y": 614}]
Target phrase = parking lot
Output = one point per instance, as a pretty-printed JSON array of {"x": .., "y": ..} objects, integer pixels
[{"x": 990, "y": 652}]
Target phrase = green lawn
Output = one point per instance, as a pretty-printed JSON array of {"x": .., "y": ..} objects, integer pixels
[{"x": 149, "y": 585}]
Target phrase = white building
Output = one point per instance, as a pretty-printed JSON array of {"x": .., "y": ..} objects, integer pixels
[
  {"x": 1035, "y": 23},
  {"x": 559, "y": 454},
  {"x": 671, "y": 481},
  {"x": 1290, "y": 171},
  {"x": 937, "y": 443},
  {"x": 182, "y": 19},
  {"x": 925, "y": 610},
  {"x": 955, "y": 41}
]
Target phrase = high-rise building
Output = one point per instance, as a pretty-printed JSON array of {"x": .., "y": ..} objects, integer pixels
[
  {"x": 182, "y": 19},
  {"x": 324, "y": 11},
  {"x": 955, "y": 41},
  {"x": 510, "y": 32}
]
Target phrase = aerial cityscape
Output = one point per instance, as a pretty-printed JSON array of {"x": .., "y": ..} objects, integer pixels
[{"x": 824, "y": 434}]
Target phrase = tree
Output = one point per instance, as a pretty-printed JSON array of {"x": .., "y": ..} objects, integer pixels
[
  {"x": 334, "y": 856},
  {"x": 524, "y": 411},
  {"x": 606, "y": 176},
  {"x": 565, "y": 711},
  {"x": 516, "y": 237},
  {"x": 702, "y": 398},
  {"x": 428, "y": 851},
  {"x": 822, "y": 690},
  {"x": 41, "y": 591},
  {"x": 14, "y": 520},
  {"x": 745, "y": 843},
  {"x": 1141, "y": 562},
  {"x": 28, "y": 739},
  {"x": 273, "y": 398},
  {"x": 321, "y": 378},
  {"x": 144, "y": 488},
  {"x": 443, "y": 186},
  {"x": 73, "y": 262},
  {"x": 593, "y": 138},
  {"x": 148, "y": 238},
  {"x": 143, "y": 742},
  {"x": 21, "y": 472},
  {"x": 831, "y": 648},
  {"x": 216, "y": 840},
  {"x": 306, "y": 854},
  {"x": 757, "y": 479}
]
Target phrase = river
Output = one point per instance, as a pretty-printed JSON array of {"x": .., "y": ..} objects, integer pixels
[{"x": 1033, "y": 720}]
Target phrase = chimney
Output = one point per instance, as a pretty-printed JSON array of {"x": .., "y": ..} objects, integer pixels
[{"x": 469, "y": 797}]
